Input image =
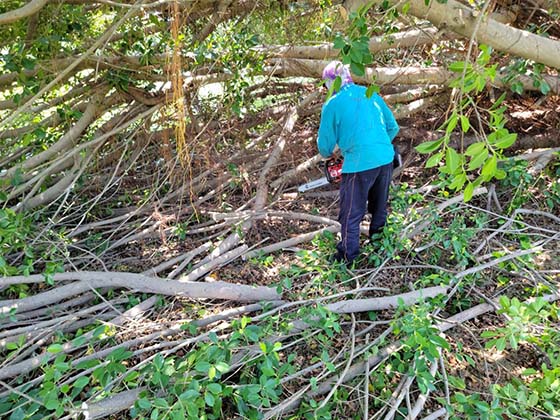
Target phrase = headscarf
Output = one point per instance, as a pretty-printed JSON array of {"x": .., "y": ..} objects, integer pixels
[{"x": 335, "y": 69}]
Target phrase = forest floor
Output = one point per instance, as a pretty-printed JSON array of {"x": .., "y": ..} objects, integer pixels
[
  {"x": 477, "y": 366},
  {"x": 504, "y": 242}
]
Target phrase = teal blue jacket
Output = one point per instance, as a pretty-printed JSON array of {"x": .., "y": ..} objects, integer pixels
[{"x": 362, "y": 127}]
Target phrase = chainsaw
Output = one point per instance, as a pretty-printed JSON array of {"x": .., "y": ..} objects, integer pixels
[
  {"x": 332, "y": 168},
  {"x": 333, "y": 174}
]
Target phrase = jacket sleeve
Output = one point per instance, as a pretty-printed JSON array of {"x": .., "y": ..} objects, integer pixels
[
  {"x": 391, "y": 124},
  {"x": 326, "y": 140}
]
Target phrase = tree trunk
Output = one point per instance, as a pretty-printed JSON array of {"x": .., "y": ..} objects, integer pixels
[{"x": 467, "y": 22}]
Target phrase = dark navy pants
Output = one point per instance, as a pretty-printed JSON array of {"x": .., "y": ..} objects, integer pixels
[{"x": 360, "y": 191}]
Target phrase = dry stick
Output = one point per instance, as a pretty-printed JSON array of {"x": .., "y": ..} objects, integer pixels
[
  {"x": 366, "y": 387},
  {"x": 386, "y": 302},
  {"x": 29, "y": 317},
  {"x": 68, "y": 328},
  {"x": 510, "y": 221},
  {"x": 21, "y": 394},
  {"x": 15, "y": 333},
  {"x": 299, "y": 327},
  {"x": 401, "y": 391},
  {"x": 306, "y": 237},
  {"x": 28, "y": 10},
  {"x": 188, "y": 256},
  {"x": 111, "y": 405},
  {"x": 348, "y": 364},
  {"x": 295, "y": 172},
  {"x": 263, "y": 214},
  {"x": 436, "y": 414},
  {"x": 445, "y": 381},
  {"x": 457, "y": 199},
  {"x": 216, "y": 262},
  {"x": 128, "y": 280},
  {"x": 105, "y": 407},
  {"x": 421, "y": 401},
  {"x": 129, "y": 316}
]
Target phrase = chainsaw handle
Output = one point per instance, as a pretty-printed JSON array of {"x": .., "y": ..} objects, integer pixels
[{"x": 333, "y": 169}]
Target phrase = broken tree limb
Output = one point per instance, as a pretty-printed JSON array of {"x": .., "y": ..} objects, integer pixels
[
  {"x": 87, "y": 280},
  {"x": 111, "y": 405},
  {"x": 464, "y": 21},
  {"x": 262, "y": 183},
  {"x": 213, "y": 264},
  {"x": 28, "y": 10},
  {"x": 409, "y": 75},
  {"x": 407, "y": 39},
  {"x": 383, "y": 303},
  {"x": 306, "y": 237}
]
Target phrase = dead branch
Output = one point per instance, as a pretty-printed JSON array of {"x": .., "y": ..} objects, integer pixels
[
  {"x": 28, "y": 10},
  {"x": 87, "y": 280}
]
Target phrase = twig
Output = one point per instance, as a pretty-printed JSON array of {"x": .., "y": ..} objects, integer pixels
[
  {"x": 421, "y": 401},
  {"x": 436, "y": 414},
  {"x": 348, "y": 364}
]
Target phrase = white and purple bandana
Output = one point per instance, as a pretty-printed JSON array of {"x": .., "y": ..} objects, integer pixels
[{"x": 335, "y": 69}]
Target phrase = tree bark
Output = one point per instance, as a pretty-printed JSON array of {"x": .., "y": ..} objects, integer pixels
[
  {"x": 89, "y": 280},
  {"x": 464, "y": 21},
  {"x": 29, "y": 9}
]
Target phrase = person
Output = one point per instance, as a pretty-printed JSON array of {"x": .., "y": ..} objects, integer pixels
[{"x": 363, "y": 129}]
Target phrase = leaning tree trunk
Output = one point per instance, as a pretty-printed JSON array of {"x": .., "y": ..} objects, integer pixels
[{"x": 468, "y": 22}]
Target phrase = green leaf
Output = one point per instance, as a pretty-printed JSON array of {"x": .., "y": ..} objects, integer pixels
[
  {"x": 357, "y": 68},
  {"x": 439, "y": 341},
  {"x": 356, "y": 55},
  {"x": 212, "y": 372},
  {"x": 55, "y": 348},
  {"x": 203, "y": 367},
  {"x": 458, "y": 181},
  {"x": 434, "y": 160},
  {"x": 452, "y": 123},
  {"x": 81, "y": 382},
  {"x": 11, "y": 346},
  {"x": 222, "y": 367},
  {"x": 339, "y": 43},
  {"x": 209, "y": 399},
  {"x": 144, "y": 403},
  {"x": 18, "y": 414},
  {"x": 489, "y": 168},
  {"x": 465, "y": 124},
  {"x": 52, "y": 404},
  {"x": 337, "y": 83},
  {"x": 371, "y": 90},
  {"x": 506, "y": 141},
  {"x": 457, "y": 382},
  {"x": 459, "y": 66},
  {"x": 468, "y": 193},
  {"x": 429, "y": 146},
  {"x": 501, "y": 344},
  {"x": 500, "y": 174},
  {"x": 475, "y": 148},
  {"x": 452, "y": 159},
  {"x": 477, "y": 161},
  {"x": 214, "y": 388}
]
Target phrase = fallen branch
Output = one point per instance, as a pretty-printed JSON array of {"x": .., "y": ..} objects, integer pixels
[
  {"x": 87, "y": 280},
  {"x": 387, "y": 302},
  {"x": 306, "y": 237}
]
